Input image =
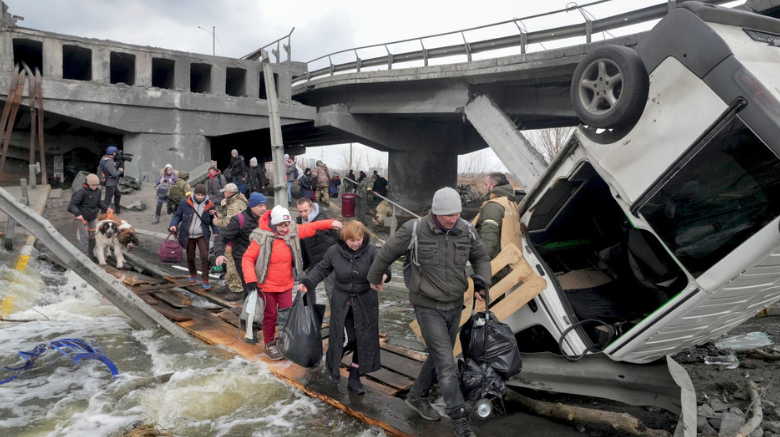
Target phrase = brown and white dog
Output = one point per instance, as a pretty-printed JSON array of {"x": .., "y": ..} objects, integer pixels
[{"x": 116, "y": 233}]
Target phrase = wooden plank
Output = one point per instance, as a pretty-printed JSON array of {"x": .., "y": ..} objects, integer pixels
[
  {"x": 147, "y": 298},
  {"x": 373, "y": 385},
  {"x": 172, "y": 313},
  {"x": 512, "y": 303},
  {"x": 400, "y": 364},
  {"x": 169, "y": 284},
  {"x": 516, "y": 276},
  {"x": 130, "y": 277},
  {"x": 408, "y": 353},
  {"x": 384, "y": 376},
  {"x": 229, "y": 317},
  {"x": 214, "y": 297},
  {"x": 172, "y": 298}
]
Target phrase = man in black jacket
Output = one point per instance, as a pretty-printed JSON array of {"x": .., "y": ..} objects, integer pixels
[
  {"x": 256, "y": 181},
  {"x": 314, "y": 248},
  {"x": 85, "y": 205},
  {"x": 237, "y": 170},
  {"x": 112, "y": 176},
  {"x": 238, "y": 235}
]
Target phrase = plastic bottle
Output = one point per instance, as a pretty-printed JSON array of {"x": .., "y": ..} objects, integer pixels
[{"x": 730, "y": 361}]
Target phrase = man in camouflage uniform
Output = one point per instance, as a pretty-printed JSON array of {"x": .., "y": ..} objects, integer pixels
[
  {"x": 361, "y": 200},
  {"x": 179, "y": 191},
  {"x": 232, "y": 205}
]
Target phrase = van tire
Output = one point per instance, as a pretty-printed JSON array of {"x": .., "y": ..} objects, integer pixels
[{"x": 609, "y": 88}]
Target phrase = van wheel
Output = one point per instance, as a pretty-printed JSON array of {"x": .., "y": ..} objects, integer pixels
[{"x": 609, "y": 88}]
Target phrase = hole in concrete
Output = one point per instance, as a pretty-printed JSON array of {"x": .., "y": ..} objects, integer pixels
[
  {"x": 76, "y": 63},
  {"x": 122, "y": 68},
  {"x": 200, "y": 78},
  {"x": 29, "y": 51},
  {"x": 235, "y": 82},
  {"x": 263, "y": 94},
  {"x": 162, "y": 73}
]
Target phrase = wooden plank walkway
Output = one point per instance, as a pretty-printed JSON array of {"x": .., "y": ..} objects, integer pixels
[{"x": 381, "y": 406}]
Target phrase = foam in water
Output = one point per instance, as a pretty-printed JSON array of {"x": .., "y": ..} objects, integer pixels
[{"x": 185, "y": 387}]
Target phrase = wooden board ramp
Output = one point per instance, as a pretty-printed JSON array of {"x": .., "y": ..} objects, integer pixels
[
  {"x": 383, "y": 404},
  {"x": 519, "y": 286}
]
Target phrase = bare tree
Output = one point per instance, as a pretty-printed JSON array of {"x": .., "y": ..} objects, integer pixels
[
  {"x": 473, "y": 168},
  {"x": 549, "y": 141}
]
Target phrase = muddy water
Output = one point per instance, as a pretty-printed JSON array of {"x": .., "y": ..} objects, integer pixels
[{"x": 187, "y": 389}]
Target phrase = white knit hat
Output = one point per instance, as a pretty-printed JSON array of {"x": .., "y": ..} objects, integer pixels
[
  {"x": 446, "y": 201},
  {"x": 279, "y": 215}
]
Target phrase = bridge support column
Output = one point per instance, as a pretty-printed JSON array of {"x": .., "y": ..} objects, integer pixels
[
  {"x": 501, "y": 134},
  {"x": 414, "y": 176},
  {"x": 152, "y": 151}
]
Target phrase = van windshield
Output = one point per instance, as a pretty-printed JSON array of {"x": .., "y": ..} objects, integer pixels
[{"x": 719, "y": 199}]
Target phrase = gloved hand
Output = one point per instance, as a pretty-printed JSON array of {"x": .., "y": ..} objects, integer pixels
[
  {"x": 251, "y": 287},
  {"x": 480, "y": 285}
]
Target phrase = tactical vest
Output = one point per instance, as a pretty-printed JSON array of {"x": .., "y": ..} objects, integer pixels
[{"x": 510, "y": 224}]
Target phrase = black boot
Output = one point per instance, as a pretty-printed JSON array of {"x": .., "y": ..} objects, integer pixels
[{"x": 353, "y": 384}]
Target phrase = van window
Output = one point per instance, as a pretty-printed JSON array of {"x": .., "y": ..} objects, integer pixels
[{"x": 722, "y": 196}]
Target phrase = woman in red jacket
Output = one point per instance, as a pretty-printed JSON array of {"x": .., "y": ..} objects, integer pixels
[{"x": 268, "y": 263}]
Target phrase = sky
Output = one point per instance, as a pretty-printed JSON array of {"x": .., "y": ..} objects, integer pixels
[{"x": 321, "y": 27}]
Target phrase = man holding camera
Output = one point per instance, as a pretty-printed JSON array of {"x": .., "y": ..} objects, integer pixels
[{"x": 111, "y": 174}]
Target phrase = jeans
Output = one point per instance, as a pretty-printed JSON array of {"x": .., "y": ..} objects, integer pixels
[
  {"x": 158, "y": 209},
  {"x": 289, "y": 192},
  {"x": 203, "y": 249},
  {"x": 439, "y": 330}
]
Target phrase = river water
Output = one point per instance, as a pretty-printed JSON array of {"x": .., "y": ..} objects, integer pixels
[{"x": 187, "y": 389}]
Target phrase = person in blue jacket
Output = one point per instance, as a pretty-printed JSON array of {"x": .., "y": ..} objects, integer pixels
[{"x": 194, "y": 222}]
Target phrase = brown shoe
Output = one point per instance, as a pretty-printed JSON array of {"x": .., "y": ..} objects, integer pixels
[{"x": 272, "y": 352}]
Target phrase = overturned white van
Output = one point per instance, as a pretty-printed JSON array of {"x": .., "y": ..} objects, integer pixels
[{"x": 656, "y": 227}]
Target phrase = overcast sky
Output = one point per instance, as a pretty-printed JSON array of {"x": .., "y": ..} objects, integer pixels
[{"x": 321, "y": 26}]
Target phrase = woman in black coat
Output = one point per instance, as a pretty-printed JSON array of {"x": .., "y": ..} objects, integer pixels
[{"x": 354, "y": 306}]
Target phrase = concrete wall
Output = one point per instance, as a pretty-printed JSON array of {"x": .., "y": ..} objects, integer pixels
[
  {"x": 413, "y": 177},
  {"x": 152, "y": 151}
]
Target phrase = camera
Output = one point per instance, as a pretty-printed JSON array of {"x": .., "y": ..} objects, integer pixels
[{"x": 123, "y": 157}]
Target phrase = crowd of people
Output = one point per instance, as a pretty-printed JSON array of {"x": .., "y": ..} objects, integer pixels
[{"x": 266, "y": 252}]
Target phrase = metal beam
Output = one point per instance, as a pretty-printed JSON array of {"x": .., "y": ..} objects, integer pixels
[
  {"x": 501, "y": 134},
  {"x": 277, "y": 142},
  {"x": 598, "y": 376},
  {"x": 107, "y": 285}
]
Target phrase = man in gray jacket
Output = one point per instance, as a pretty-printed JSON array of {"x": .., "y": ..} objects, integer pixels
[{"x": 438, "y": 246}]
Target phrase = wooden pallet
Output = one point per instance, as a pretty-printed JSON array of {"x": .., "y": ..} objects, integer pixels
[{"x": 522, "y": 284}]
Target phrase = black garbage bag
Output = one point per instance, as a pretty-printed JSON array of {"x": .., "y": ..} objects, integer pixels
[
  {"x": 300, "y": 339},
  {"x": 477, "y": 383},
  {"x": 486, "y": 340}
]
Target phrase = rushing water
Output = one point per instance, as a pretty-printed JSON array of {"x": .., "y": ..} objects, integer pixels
[{"x": 188, "y": 389}]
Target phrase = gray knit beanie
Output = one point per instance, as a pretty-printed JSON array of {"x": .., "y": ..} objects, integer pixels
[{"x": 446, "y": 201}]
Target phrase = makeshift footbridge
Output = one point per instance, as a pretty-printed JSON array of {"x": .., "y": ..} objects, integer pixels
[{"x": 154, "y": 299}]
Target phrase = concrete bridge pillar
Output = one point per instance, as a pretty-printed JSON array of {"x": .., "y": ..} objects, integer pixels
[
  {"x": 152, "y": 151},
  {"x": 414, "y": 176}
]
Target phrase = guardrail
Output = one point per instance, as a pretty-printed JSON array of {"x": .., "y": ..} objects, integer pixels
[{"x": 523, "y": 39}]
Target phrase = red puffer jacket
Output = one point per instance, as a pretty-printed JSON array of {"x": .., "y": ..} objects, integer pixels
[{"x": 280, "y": 269}]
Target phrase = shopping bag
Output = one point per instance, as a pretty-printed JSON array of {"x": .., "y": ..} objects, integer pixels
[
  {"x": 252, "y": 312},
  {"x": 300, "y": 340},
  {"x": 170, "y": 250}
]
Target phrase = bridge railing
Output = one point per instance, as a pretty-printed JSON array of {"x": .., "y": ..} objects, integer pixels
[{"x": 522, "y": 39}]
